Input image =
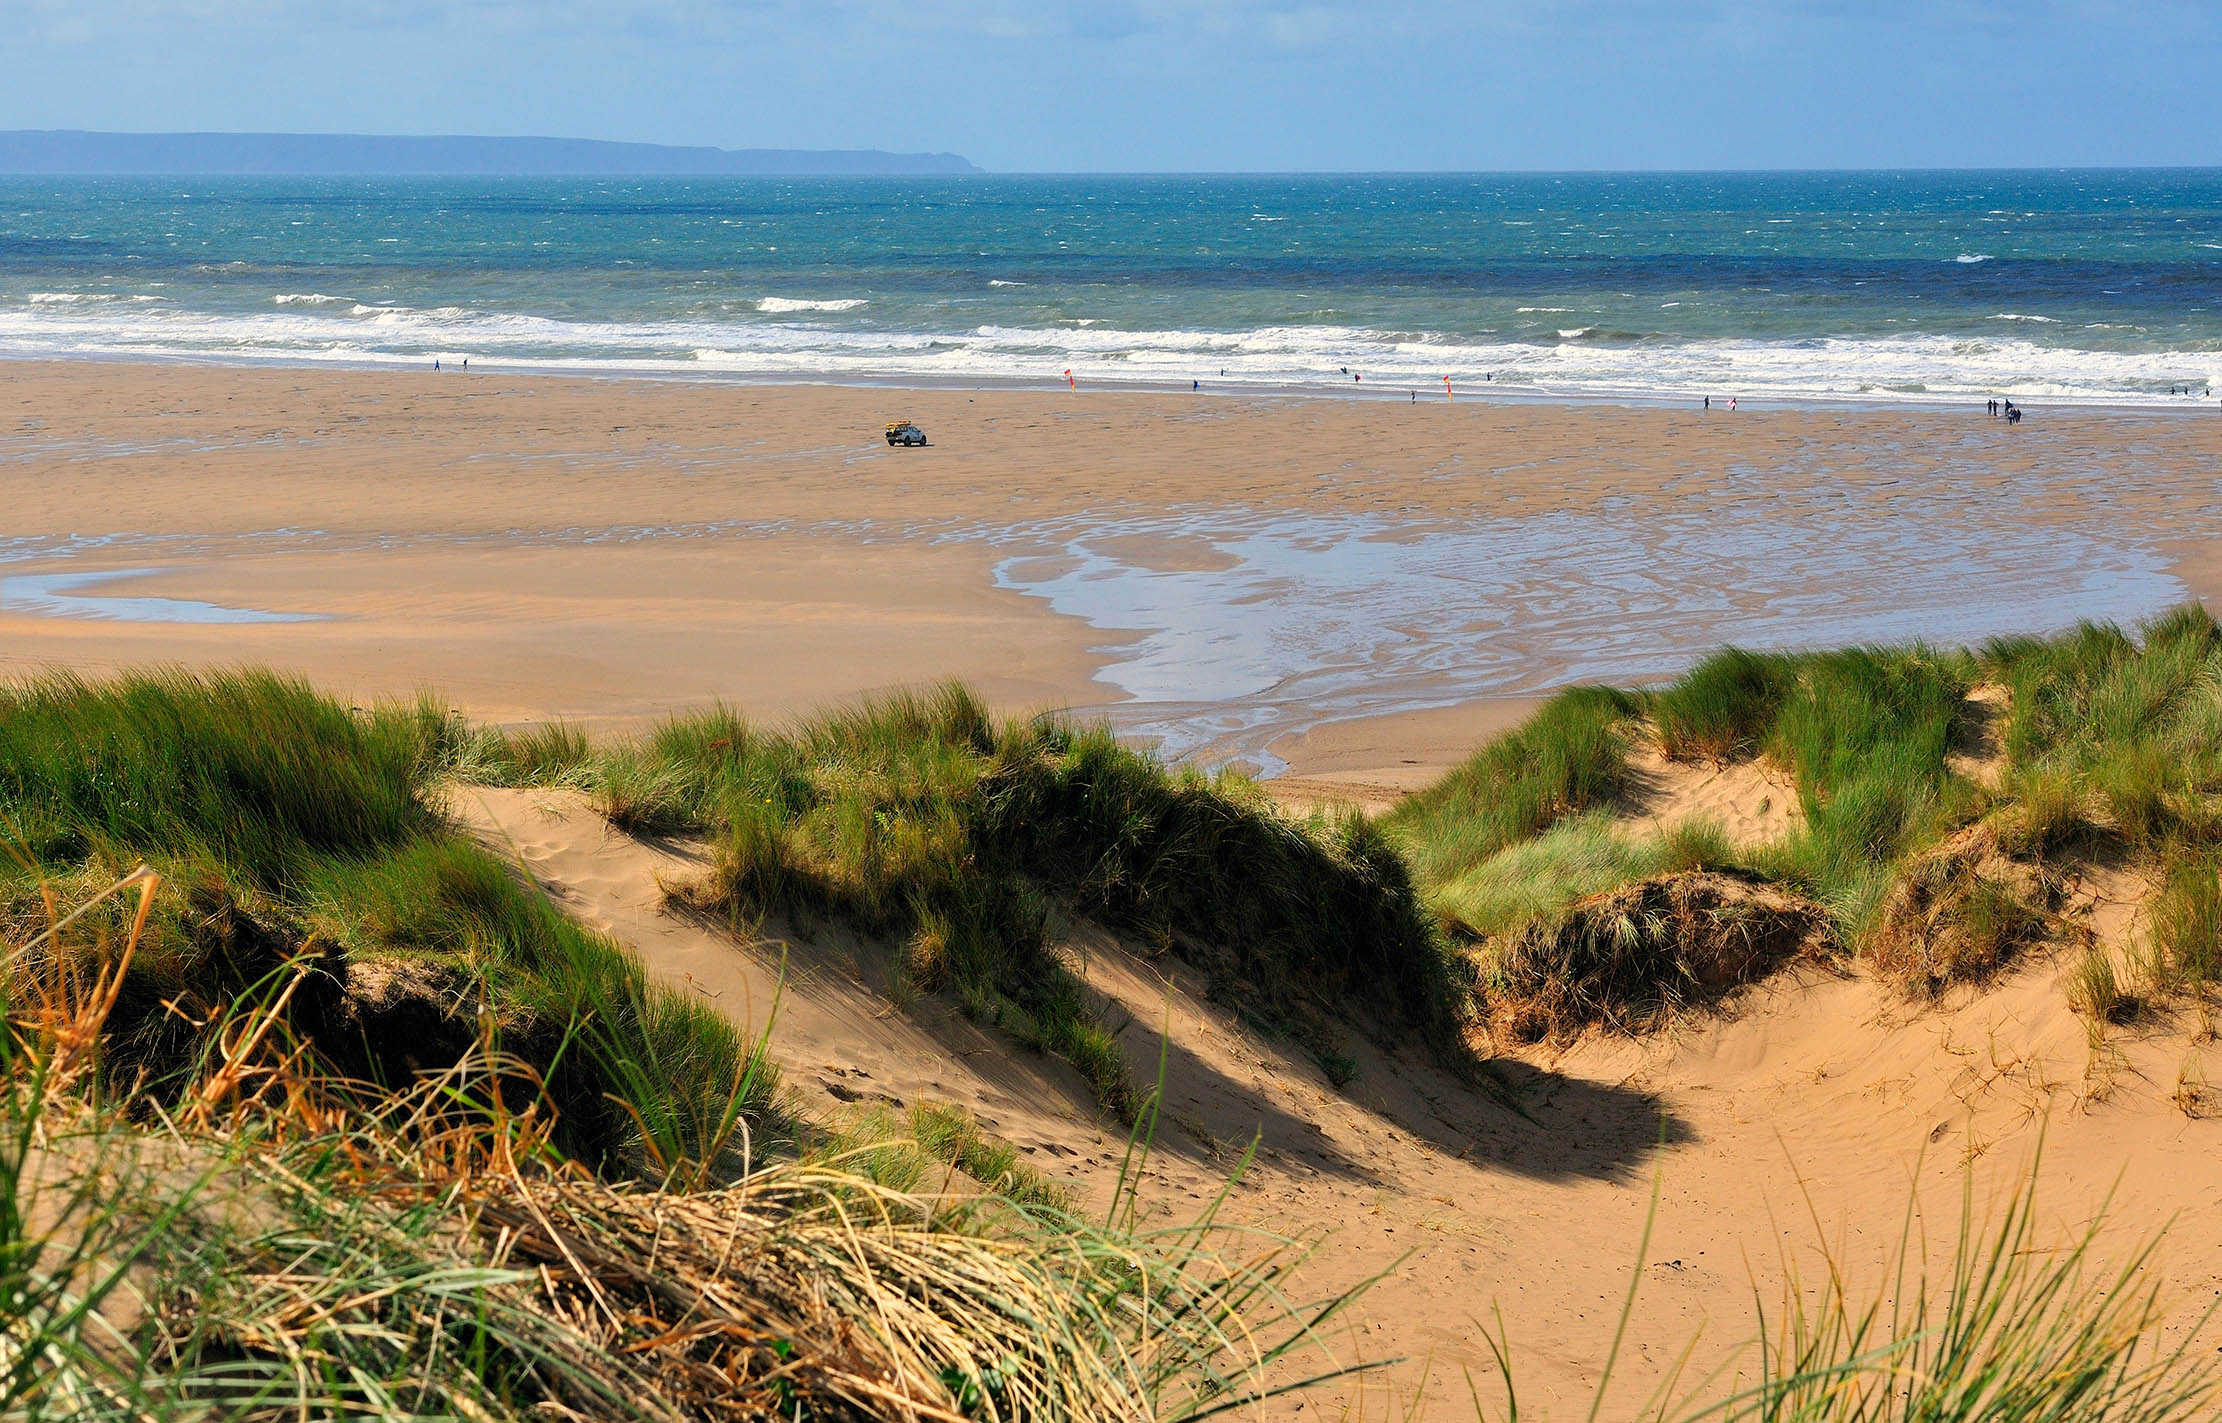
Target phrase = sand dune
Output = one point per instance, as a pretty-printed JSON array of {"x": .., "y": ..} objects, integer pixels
[{"x": 1808, "y": 1114}]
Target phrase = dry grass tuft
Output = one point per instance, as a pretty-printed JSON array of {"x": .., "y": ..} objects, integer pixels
[
  {"x": 285, "y": 1242},
  {"x": 1632, "y": 956},
  {"x": 1959, "y": 912}
]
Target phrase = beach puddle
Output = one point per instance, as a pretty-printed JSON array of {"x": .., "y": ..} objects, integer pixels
[
  {"x": 1304, "y": 620},
  {"x": 60, "y": 595}
]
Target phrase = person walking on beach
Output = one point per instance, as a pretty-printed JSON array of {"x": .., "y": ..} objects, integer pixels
[
  {"x": 1708, "y": 402},
  {"x": 1732, "y": 402}
]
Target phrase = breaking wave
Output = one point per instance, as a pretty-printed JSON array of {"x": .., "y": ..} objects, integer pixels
[
  {"x": 773, "y": 304},
  {"x": 1582, "y": 362}
]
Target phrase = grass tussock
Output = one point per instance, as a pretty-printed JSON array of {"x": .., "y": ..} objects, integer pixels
[
  {"x": 2187, "y": 924},
  {"x": 550, "y": 754},
  {"x": 1586, "y": 854},
  {"x": 1571, "y": 756},
  {"x": 2096, "y": 990},
  {"x": 1724, "y": 707},
  {"x": 1866, "y": 735},
  {"x": 1629, "y": 958},
  {"x": 1537, "y": 878},
  {"x": 2134, "y": 723},
  {"x": 917, "y": 1151},
  {"x": 1961, "y": 911},
  {"x": 247, "y": 770}
]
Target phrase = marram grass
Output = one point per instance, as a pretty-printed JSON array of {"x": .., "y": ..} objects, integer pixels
[{"x": 282, "y": 1243}]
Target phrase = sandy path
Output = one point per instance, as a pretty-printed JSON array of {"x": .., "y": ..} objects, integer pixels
[
  {"x": 606, "y": 550},
  {"x": 1807, "y": 1114}
]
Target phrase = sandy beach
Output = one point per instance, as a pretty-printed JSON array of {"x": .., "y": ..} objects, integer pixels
[
  {"x": 1351, "y": 593},
  {"x": 1240, "y": 577}
]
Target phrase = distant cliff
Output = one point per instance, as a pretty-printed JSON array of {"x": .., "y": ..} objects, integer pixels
[{"x": 341, "y": 154}]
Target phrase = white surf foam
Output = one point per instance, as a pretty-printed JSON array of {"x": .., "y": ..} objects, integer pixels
[
  {"x": 783, "y": 303},
  {"x": 1579, "y": 364}
]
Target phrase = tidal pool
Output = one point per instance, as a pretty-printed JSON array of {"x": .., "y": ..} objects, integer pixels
[
  {"x": 1307, "y": 619},
  {"x": 58, "y": 595}
]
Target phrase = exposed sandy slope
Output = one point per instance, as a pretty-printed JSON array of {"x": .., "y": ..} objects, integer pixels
[
  {"x": 1374, "y": 763},
  {"x": 1752, "y": 801},
  {"x": 1810, "y": 1111}
]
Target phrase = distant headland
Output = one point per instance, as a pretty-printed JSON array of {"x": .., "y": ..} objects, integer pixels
[{"x": 74, "y": 151}]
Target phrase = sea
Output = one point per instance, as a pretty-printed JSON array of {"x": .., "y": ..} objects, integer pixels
[{"x": 2100, "y": 287}]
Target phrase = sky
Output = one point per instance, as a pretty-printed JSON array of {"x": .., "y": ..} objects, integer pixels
[{"x": 1169, "y": 85}]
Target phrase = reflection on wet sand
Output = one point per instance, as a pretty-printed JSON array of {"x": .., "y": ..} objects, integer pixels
[
  {"x": 57, "y": 595},
  {"x": 1316, "y": 619}
]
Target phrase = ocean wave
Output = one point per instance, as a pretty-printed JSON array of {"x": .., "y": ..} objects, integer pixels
[
  {"x": 1590, "y": 362},
  {"x": 1000, "y": 282},
  {"x": 310, "y": 299},
  {"x": 1603, "y": 335},
  {"x": 89, "y": 298},
  {"x": 771, "y": 304},
  {"x": 1971, "y": 258},
  {"x": 2017, "y": 316}
]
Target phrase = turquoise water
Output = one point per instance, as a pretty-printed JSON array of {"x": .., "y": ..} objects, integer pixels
[{"x": 1900, "y": 287}]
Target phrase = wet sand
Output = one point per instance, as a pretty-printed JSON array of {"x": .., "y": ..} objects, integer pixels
[{"x": 1319, "y": 584}]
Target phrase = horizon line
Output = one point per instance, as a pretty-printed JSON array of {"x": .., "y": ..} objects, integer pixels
[{"x": 978, "y": 171}]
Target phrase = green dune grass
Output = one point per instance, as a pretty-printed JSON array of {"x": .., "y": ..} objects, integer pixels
[
  {"x": 923, "y": 821},
  {"x": 254, "y": 796}
]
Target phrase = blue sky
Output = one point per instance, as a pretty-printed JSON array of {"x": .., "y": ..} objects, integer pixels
[{"x": 1163, "y": 85}]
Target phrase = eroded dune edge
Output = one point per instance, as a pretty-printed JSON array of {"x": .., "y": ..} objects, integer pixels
[{"x": 911, "y": 1061}]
